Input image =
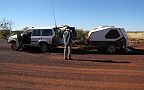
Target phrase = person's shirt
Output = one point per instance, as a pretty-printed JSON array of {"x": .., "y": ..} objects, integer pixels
[{"x": 67, "y": 36}]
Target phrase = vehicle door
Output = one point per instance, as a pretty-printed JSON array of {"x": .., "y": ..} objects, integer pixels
[
  {"x": 47, "y": 35},
  {"x": 36, "y": 36},
  {"x": 26, "y": 37}
]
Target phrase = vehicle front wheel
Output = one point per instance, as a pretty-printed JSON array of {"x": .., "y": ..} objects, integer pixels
[
  {"x": 44, "y": 47},
  {"x": 111, "y": 49},
  {"x": 14, "y": 47}
]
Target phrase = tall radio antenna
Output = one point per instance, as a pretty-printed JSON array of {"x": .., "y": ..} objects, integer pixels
[{"x": 54, "y": 17}]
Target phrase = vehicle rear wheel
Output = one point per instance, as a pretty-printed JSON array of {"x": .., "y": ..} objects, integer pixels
[
  {"x": 111, "y": 49},
  {"x": 44, "y": 47},
  {"x": 14, "y": 47}
]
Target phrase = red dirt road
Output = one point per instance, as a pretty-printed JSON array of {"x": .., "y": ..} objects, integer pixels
[{"x": 33, "y": 70}]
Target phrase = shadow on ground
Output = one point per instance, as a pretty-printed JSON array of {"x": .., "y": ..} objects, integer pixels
[
  {"x": 132, "y": 51},
  {"x": 104, "y": 61},
  {"x": 82, "y": 52}
]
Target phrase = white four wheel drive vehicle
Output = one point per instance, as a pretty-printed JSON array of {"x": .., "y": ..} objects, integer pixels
[
  {"x": 109, "y": 38},
  {"x": 44, "y": 38}
]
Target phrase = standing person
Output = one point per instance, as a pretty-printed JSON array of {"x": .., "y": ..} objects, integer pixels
[{"x": 67, "y": 36}]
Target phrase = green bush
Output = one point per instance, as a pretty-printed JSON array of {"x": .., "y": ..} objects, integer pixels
[
  {"x": 81, "y": 33},
  {"x": 5, "y": 27},
  {"x": 4, "y": 33}
]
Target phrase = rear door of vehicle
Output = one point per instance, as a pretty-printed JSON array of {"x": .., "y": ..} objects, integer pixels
[
  {"x": 47, "y": 35},
  {"x": 36, "y": 36}
]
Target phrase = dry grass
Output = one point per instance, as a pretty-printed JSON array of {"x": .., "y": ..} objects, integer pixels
[
  {"x": 135, "y": 35},
  {"x": 135, "y": 38}
]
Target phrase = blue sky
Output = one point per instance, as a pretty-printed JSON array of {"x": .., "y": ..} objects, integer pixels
[{"x": 84, "y": 14}]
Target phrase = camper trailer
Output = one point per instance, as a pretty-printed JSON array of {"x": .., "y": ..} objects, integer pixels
[{"x": 109, "y": 38}]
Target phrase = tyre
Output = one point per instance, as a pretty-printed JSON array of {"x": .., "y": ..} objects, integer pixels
[
  {"x": 14, "y": 47},
  {"x": 111, "y": 49},
  {"x": 44, "y": 47}
]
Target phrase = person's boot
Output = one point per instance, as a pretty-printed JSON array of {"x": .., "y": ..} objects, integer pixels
[
  {"x": 71, "y": 58},
  {"x": 66, "y": 58}
]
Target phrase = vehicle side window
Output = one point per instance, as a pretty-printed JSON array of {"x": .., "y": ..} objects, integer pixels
[
  {"x": 46, "y": 32},
  {"x": 36, "y": 32},
  {"x": 112, "y": 34}
]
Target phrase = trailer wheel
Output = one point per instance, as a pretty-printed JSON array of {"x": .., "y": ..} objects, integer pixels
[
  {"x": 111, "y": 49},
  {"x": 14, "y": 47},
  {"x": 44, "y": 47}
]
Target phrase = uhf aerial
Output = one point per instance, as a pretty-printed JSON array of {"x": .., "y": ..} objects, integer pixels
[{"x": 54, "y": 17}]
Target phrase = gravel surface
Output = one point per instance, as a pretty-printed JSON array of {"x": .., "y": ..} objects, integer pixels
[{"x": 90, "y": 70}]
